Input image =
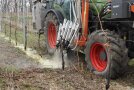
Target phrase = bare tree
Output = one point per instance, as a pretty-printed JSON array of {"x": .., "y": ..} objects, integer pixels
[{"x": 30, "y": 2}]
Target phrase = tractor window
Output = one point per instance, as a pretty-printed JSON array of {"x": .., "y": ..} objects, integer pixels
[
  {"x": 99, "y": 4},
  {"x": 63, "y": 6},
  {"x": 60, "y": 2},
  {"x": 66, "y": 8}
]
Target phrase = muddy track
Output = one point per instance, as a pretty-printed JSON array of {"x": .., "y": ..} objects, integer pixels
[{"x": 19, "y": 72}]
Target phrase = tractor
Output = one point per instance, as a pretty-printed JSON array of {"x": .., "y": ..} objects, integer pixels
[{"x": 103, "y": 30}]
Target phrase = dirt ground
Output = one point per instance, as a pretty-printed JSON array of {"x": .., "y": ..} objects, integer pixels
[{"x": 19, "y": 72}]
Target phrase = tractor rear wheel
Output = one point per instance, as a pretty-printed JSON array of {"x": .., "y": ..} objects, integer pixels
[
  {"x": 104, "y": 49},
  {"x": 51, "y": 29}
]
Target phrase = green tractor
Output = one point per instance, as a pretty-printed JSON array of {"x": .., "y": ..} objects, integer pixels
[{"x": 102, "y": 29}]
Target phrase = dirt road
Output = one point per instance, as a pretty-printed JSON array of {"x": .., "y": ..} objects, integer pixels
[
  {"x": 19, "y": 72},
  {"x": 13, "y": 57}
]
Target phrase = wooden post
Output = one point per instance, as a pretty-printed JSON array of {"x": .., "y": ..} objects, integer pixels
[
  {"x": 16, "y": 10},
  {"x": 24, "y": 24}
]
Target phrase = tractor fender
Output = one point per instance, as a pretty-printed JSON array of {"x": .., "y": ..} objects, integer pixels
[{"x": 58, "y": 15}]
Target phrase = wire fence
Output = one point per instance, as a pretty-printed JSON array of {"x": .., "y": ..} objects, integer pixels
[{"x": 16, "y": 23}]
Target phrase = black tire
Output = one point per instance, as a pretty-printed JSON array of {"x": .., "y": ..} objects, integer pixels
[
  {"x": 116, "y": 53},
  {"x": 50, "y": 18}
]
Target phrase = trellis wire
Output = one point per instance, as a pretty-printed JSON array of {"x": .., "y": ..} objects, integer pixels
[{"x": 14, "y": 16}]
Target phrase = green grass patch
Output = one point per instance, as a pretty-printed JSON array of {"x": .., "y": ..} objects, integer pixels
[
  {"x": 9, "y": 69},
  {"x": 131, "y": 62},
  {"x": 2, "y": 82},
  {"x": 29, "y": 87}
]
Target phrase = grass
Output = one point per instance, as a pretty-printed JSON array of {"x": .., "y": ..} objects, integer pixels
[
  {"x": 29, "y": 87},
  {"x": 2, "y": 82},
  {"x": 14, "y": 16},
  {"x": 131, "y": 62},
  {"x": 9, "y": 69}
]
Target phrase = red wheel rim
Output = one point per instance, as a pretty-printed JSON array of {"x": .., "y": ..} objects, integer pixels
[
  {"x": 98, "y": 57},
  {"x": 52, "y": 35}
]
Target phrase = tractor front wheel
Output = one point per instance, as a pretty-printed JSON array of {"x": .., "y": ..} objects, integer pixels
[
  {"x": 104, "y": 49},
  {"x": 51, "y": 29}
]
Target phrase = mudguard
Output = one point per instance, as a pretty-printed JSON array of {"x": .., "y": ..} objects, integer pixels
[{"x": 58, "y": 15}]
